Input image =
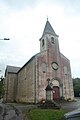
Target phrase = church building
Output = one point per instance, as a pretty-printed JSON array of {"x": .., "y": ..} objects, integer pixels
[{"x": 47, "y": 75}]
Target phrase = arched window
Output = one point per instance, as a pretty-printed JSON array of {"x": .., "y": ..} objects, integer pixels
[
  {"x": 44, "y": 67},
  {"x": 52, "y": 40},
  {"x": 42, "y": 42},
  {"x": 65, "y": 70}
]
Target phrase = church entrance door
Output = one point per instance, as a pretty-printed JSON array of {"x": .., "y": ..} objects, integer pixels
[{"x": 56, "y": 93}]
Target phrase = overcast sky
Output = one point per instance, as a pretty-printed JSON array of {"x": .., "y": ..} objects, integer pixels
[{"x": 23, "y": 21}]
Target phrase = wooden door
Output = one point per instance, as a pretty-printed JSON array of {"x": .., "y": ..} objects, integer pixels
[{"x": 56, "y": 93}]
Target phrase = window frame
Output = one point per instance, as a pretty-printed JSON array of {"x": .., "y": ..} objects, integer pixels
[
  {"x": 43, "y": 42},
  {"x": 52, "y": 40}
]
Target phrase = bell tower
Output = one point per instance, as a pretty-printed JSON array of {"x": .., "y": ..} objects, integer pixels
[
  {"x": 49, "y": 44},
  {"x": 50, "y": 36},
  {"x": 49, "y": 40}
]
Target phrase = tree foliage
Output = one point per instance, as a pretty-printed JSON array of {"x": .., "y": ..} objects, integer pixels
[
  {"x": 76, "y": 85},
  {"x": 1, "y": 87}
]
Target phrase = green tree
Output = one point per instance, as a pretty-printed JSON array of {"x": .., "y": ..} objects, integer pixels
[
  {"x": 76, "y": 86},
  {"x": 1, "y": 87}
]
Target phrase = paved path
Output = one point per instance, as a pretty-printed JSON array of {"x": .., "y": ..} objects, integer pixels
[
  {"x": 70, "y": 106},
  {"x": 9, "y": 112},
  {"x": 12, "y": 111}
]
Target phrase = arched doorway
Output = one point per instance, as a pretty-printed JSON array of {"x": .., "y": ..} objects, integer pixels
[{"x": 56, "y": 93}]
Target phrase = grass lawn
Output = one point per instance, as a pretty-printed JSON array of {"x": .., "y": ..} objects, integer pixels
[{"x": 45, "y": 114}]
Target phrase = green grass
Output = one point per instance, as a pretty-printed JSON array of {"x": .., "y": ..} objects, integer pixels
[{"x": 46, "y": 114}]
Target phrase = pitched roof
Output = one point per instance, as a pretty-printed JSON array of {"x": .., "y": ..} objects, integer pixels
[
  {"x": 48, "y": 29},
  {"x": 48, "y": 88},
  {"x": 12, "y": 69},
  {"x": 27, "y": 62}
]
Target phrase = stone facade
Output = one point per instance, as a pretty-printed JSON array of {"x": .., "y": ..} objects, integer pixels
[
  {"x": 26, "y": 83},
  {"x": 31, "y": 80},
  {"x": 10, "y": 83}
]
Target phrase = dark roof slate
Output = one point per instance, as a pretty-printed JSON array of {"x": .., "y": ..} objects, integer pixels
[
  {"x": 48, "y": 88},
  {"x": 12, "y": 69},
  {"x": 27, "y": 62},
  {"x": 48, "y": 29}
]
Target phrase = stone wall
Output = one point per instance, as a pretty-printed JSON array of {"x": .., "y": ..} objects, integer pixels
[
  {"x": 10, "y": 87},
  {"x": 26, "y": 83},
  {"x": 67, "y": 78}
]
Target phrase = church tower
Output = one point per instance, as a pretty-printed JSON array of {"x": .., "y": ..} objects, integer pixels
[
  {"x": 49, "y": 60},
  {"x": 48, "y": 35},
  {"x": 49, "y": 42}
]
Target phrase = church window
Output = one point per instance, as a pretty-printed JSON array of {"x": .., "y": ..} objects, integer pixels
[
  {"x": 52, "y": 40},
  {"x": 44, "y": 67},
  {"x": 65, "y": 70},
  {"x": 42, "y": 42}
]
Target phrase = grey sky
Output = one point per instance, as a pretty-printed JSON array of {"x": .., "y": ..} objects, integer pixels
[
  {"x": 19, "y": 4},
  {"x": 23, "y": 22}
]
